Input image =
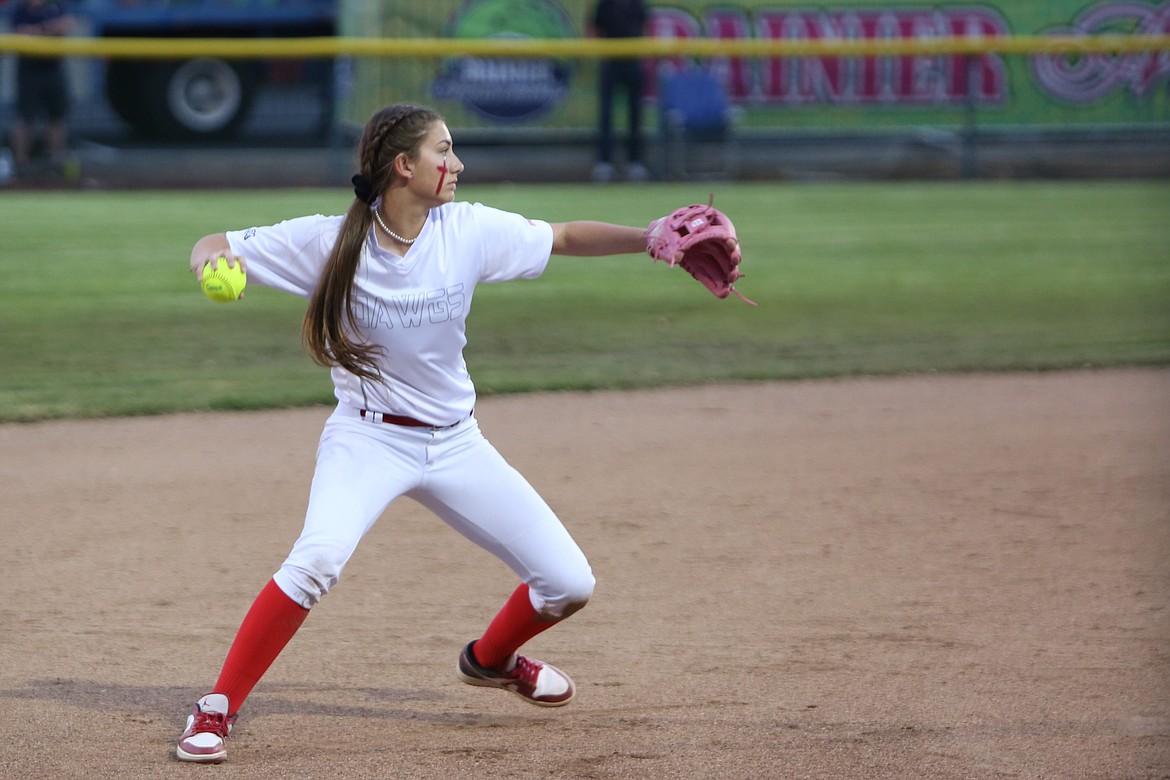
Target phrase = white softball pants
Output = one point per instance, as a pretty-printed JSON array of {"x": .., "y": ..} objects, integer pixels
[{"x": 362, "y": 466}]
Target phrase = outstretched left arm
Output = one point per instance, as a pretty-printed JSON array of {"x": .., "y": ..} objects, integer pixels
[{"x": 595, "y": 239}]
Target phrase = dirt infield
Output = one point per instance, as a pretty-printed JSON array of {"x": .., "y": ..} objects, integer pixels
[{"x": 925, "y": 577}]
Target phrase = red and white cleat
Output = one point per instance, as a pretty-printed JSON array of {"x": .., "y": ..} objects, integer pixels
[
  {"x": 534, "y": 681},
  {"x": 208, "y": 727}
]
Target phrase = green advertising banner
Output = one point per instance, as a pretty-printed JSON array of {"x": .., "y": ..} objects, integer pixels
[{"x": 1127, "y": 90}]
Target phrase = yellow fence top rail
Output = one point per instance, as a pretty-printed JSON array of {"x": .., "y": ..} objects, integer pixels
[{"x": 251, "y": 48}]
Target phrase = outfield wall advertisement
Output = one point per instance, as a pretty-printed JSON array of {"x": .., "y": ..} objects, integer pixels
[{"x": 1106, "y": 90}]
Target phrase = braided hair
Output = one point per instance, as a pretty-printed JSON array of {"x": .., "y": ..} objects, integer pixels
[{"x": 394, "y": 130}]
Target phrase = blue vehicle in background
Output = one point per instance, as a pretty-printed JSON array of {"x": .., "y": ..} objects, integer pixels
[{"x": 204, "y": 97}]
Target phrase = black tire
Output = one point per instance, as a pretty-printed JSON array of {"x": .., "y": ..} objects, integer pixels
[{"x": 196, "y": 99}]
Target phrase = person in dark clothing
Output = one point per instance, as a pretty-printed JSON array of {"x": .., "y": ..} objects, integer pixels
[
  {"x": 41, "y": 89},
  {"x": 619, "y": 19}
]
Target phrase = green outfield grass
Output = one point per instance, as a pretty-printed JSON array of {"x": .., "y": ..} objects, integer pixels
[{"x": 99, "y": 316}]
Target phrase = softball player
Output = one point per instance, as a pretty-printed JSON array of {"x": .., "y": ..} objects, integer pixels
[{"x": 389, "y": 287}]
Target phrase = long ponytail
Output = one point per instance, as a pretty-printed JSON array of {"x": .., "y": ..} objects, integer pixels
[{"x": 329, "y": 324}]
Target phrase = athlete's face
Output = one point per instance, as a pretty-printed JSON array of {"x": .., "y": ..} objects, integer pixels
[{"x": 437, "y": 168}]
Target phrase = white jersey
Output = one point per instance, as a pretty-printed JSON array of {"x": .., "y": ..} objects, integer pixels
[{"x": 414, "y": 307}]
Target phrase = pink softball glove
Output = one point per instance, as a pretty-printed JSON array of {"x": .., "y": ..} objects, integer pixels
[{"x": 702, "y": 240}]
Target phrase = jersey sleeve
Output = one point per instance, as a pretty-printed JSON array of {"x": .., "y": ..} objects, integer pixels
[
  {"x": 513, "y": 247},
  {"x": 288, "y": 256}
]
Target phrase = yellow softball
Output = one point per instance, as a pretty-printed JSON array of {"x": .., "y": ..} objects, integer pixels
[{"x": 224, "y": 284}]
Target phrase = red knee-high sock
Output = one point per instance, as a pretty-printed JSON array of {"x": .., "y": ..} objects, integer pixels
[
  {"x": 267, "y": 628},
  {"x": 514, "y": 625}
]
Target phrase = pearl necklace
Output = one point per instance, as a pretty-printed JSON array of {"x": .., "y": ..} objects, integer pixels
[{"x": 391, "y": 233}]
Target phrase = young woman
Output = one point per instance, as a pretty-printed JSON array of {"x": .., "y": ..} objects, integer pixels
[{"x": 389, "y": 287}]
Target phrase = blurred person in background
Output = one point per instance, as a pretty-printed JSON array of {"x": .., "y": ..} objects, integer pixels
[
  {"x": 619, "y": 19},
  {"x": 42, "y": 93}
]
